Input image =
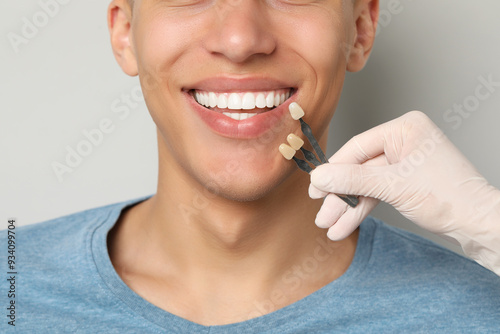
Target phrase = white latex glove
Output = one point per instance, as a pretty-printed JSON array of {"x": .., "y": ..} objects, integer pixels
[{"x": 410, "y": 164}]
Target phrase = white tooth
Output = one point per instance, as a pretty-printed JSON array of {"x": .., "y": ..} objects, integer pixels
[
  {"x": 248, "y": 101},
  {"x": 239, "y": 116},
  {"x": 260, "y": 101},
  {"x": 234, "y": 102},
  {"x": 222, "y": 102},
  {"x": 270, "y": 100},
  {"x": 212, "y": 100},
  {"x": 235, "y": 116}
]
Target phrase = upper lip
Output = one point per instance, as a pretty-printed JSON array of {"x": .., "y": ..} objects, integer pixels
[{"x": 240, "y": 84}]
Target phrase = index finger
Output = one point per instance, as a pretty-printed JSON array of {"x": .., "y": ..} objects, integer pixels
[{"x": 383, "y": 139}]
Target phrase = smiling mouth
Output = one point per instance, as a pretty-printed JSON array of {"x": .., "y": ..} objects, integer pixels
[{"x": 242, "y": 105}]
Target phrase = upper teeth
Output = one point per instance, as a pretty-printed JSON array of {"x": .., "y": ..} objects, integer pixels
[{"x": 244, "y": 100}]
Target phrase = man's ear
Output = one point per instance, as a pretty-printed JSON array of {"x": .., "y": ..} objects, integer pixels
[
  {"x": 119, "y": 21},
  {"x": 366, "y": 19}
]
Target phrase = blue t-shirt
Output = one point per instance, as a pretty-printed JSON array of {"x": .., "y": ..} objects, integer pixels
[{"x": 396, "y": 283}]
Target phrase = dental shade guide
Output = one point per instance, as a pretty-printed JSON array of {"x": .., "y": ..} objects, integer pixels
[
  {"x": 302, "y": 165},
  {"x": 310, "y": 157},
  {"x": 296, "y": 143},
  {"x": 288, "y": 153}
]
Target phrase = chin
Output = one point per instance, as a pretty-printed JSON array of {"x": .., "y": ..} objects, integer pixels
[
  {"x": 246, "y": 192},
  {"x": 247, "y": 186}
]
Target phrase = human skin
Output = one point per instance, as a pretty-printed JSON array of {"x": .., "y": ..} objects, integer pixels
[{"x": 231, "y": 217}]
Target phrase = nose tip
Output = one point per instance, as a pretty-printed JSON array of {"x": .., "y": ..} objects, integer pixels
[{"x": 240, "y": 32}]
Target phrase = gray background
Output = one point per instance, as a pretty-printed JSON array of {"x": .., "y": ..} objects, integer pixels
[{"x": 428, "y": 56}]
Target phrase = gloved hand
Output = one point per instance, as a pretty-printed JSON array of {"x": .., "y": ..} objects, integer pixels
[{"x": 409, "y": 163}]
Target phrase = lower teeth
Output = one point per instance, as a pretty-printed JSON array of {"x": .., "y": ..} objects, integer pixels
[{"x": 239, "y": 116}]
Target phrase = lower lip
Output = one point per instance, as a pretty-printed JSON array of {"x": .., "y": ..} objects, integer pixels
[{"x": 249, "y": 128}]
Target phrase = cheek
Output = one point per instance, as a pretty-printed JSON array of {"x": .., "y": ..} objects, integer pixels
[
  {"x": 162, "y": 40},
  {"x": 321, "y": 44},
  {"x": 321, "y": 41},
  {"x": 320, "y": 51}
]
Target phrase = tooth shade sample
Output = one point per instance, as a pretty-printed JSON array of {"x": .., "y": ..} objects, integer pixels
[
  {"x": 296, "y": 111},
  {"x": 295, "y": 142},
  {"x": 286, "y": 151}
]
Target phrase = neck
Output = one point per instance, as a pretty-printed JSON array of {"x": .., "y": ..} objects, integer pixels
[{"x": 210, "y": 242}]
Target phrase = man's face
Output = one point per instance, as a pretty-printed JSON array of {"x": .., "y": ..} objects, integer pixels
[{"x": 222, "y": 51}]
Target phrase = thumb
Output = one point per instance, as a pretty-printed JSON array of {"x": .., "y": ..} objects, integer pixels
[{"x": 354, "y": 179}]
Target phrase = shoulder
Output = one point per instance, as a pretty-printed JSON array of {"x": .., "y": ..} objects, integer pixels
[
  {"x": 61, "y": 230},
  {"x": 398, "y": 244},
  {"x": 408, "y": 250},
  {"x": 422, "y": 265},
  {"x": 55, "y": 264},
  {"x": 419, "y": 285},
  {"x": 63, "y": 236}
]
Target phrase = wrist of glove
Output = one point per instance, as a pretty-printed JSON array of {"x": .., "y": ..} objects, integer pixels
[
  {"x": 410, "y": 164},
  {"x": 479, "y": 234}
]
